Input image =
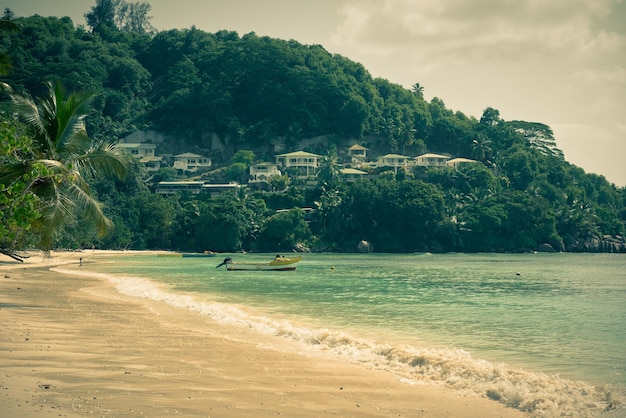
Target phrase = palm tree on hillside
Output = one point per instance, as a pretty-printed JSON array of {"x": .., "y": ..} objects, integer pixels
[
  {"x": 329, "y": 170},
  {"x": 55, "y": 124}
]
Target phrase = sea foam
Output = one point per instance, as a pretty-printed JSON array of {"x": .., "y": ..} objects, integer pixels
[{"x": 539, "y": 394}]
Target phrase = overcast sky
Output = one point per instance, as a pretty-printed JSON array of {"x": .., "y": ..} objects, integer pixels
[{"x": 558, "y": 62}]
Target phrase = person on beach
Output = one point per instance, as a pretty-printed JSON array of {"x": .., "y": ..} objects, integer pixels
[{"x": 80, "y": 262}]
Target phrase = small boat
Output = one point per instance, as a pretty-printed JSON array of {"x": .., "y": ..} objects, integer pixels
[
  {"x": 188, "y": 255},
  {"x": 278, "y": 264},
  {"x": 204, "y": 254}
]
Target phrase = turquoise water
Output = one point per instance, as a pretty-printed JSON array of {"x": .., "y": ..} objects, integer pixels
[{"x": 461, "y": 320}]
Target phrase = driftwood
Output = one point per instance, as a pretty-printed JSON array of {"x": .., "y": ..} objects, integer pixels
[{"x": 12, "y": 255}]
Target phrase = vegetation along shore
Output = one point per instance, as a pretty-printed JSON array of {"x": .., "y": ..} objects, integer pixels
[{"x": 193, "y": 141}]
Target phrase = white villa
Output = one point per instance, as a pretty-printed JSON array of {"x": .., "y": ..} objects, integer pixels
[
  {"x": 151, "y": 164},
  {"x": 188, "y": 162},
  {"x": 357, "y": 153},
  {"x": 263, "y": 171},
  {"x": 351, "y": 175},
  {"x": 138, "y": 150},
  {"x": 394, "y": 161},
  {"x": 195, "y": 187},
  {"x": 456, "y": 162},
  {"x": 171, "y": 187},
  {"x": 431, "y": 160},
  {"x": 305, "y": 162}
]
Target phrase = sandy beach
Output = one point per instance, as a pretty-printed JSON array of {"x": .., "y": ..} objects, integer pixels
[{"x": 72, "y": 347}]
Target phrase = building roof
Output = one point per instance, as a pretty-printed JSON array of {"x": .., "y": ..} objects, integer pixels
[
  {"x": 461, "y": 160},
  {"x": 357, "y": 147},
  {"x": 299, "y": 154},
  {"x": 352, "y": 171},
  {"x": 432, "y": 156},
  {"x": 136, "y": 145},
  {"x": 396, "y": 156},
  {"x": 189, "y": 155}
]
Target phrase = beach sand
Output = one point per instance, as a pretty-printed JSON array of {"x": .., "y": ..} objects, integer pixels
[{"x": 73, "y": 347}]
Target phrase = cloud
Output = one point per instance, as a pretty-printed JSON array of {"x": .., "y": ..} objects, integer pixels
[
  {"x": 487, "y": 29},
  {"x": 614, "y": 75}
]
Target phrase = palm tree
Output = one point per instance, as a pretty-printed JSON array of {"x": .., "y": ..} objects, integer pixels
[
  {"x": 330, "y": 169},
  {"x": 55, "y": 124},
  {"x": 418, "y": 89},
  {"x": 481, "y": 149}
]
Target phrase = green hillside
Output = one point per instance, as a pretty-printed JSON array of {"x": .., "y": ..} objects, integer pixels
[{"x": 218, "y": 94}]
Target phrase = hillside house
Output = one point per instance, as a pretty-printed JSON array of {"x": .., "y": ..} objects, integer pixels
[
  {"x": 456, "y": 162},
  {"x": 263, "y": 171},
  {"x": 151, "y": 164},
  {"x": 191, "y": 163},
  {"x": 394, "y": 161},
  {"x": 138, "y": 150},
  {"x": 357, "y": 154},
  {"x": 195, "y": 187},
  {"x": 304, "y": 162},
  {"x": 350, "y": 175},
  {"x": 430, "y": 160},
  {"x": 171, "y": 187}
]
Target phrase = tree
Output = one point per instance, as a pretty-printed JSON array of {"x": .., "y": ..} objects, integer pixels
[
  {"x": 125, "y": 16},
  {"x": 283, "y": 231},
  {"x": 418, "y": 89},
  {"x": 133, "y": 17},
  {"x": 539, "y": 136},
  {"x": 18, "y": 203},
  {"x": 6, "y": 25},
  {"x": 103, "y": 13},
  {"x": 329, "y": 170},
  {"x": 60, "y": 145}
]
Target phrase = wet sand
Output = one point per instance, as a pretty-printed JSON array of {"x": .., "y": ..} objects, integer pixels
[{"x": 72, "y": 347}]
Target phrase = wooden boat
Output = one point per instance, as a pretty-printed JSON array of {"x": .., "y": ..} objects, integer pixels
[
  {"x": 188, "y": 255},
  {"x": 204, "y": 254},
  {"x": 278, "y": 264}
]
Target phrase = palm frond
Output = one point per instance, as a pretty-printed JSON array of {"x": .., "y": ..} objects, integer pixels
[
  {"x": 105, "y": 158},
  {"x": 29, "y": 113}
]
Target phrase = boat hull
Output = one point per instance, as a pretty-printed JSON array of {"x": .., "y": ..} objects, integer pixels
[
  {"x": 286, "y": 264},
  {"x": 187, "y": 255}
]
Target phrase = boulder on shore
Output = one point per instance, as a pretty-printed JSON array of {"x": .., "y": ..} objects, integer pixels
[
  {"x": 546, "y": 248},
  {"x": 364, "y": 247}
]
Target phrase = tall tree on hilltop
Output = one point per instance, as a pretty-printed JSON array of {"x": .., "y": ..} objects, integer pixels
[
  {"x": 103, "y": 13},
  {"x": 6, "y": 25},
  {"x": 418, "y": 89},
  {"x": 60, "y": 144},
  {"x": 125, "y": 16}
]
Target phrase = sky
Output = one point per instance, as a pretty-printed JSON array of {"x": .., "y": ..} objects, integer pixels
[{"x": 557, "y": 62}]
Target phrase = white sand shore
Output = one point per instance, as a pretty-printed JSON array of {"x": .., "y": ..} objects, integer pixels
[{"x": 73, "y": 346}]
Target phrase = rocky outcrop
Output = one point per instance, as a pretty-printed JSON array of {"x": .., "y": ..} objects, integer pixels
[
  {"x": 301, "y": 248},
  {"x": 546, "y": 248},
  {"x": 598, "y": 244}
]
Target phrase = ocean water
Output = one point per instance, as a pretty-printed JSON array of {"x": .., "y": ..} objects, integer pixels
[{"x": 544, "y": 333}]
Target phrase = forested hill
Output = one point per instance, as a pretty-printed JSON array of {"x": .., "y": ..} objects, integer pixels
[{"x": 249, "y": 91}]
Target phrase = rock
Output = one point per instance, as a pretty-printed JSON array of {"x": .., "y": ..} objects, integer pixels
[
  {"x": 546, "y": 248},
  {"x": 299, "y": 248},
  {"x": 364, "y": 247}
]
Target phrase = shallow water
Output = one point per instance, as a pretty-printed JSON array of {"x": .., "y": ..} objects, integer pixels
[{"x": 499, "y": 324}]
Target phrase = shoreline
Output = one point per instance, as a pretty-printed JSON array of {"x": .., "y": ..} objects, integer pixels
[{"x": 75, "y": 347}]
